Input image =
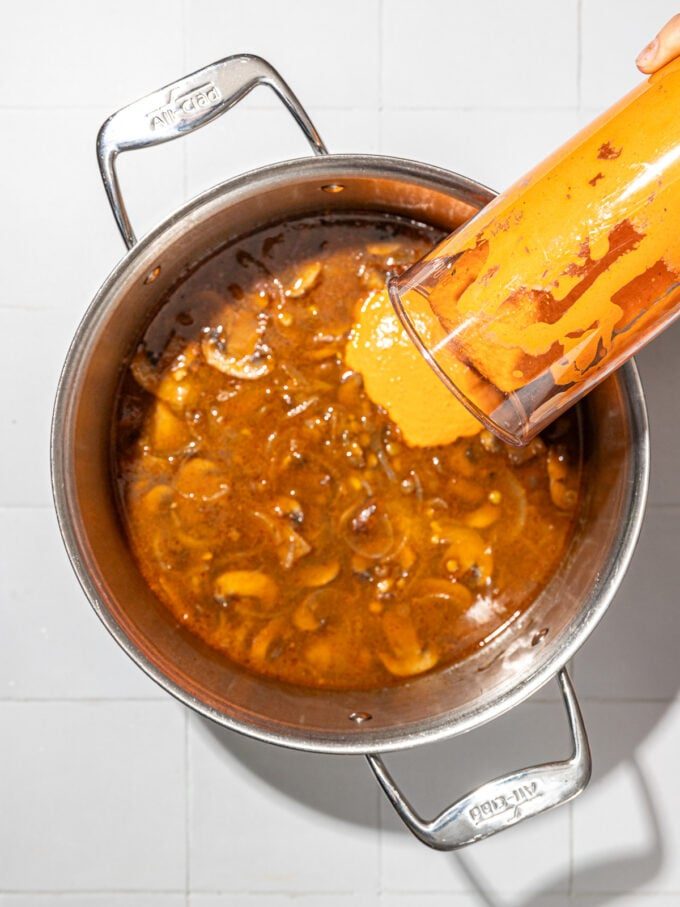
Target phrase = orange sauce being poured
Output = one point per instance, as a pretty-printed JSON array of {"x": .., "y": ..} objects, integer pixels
[{"x": 566, "y": 273}]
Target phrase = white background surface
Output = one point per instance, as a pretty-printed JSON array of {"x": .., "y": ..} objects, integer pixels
[{"x": 111, "y": 794}]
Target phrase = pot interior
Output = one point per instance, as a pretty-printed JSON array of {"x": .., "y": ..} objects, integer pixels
[{"x": 432, "y": 706}]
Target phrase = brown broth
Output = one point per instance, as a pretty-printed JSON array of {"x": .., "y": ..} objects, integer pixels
[{"x": 277, "y": 512}]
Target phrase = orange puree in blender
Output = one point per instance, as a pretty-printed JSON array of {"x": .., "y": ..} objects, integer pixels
[
  {"x": 400, "y": 380},
  {"x": 569, "y": 271}
]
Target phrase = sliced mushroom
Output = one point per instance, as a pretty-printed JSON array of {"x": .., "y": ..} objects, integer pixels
[
  {"x": 466, "y": 551},
  {"x": 483, "y": 516},
  {"x": 168, "y": 433},
  {"x": 319, "y": 654},
  {"x": 411, "y": 665},
  {"x": 371, "y": 276},
  {"x": 177, "y": 387},
  {"x": 304, "y": 617},
  {"x": 317, "y": 575},
  {"x": 157, "y": 498},
  {"x": 249, "y": 367},
  {"x": 247, "y": 584},
  {"x": 407, "y": 657},
  {"x": 382, "y": 248},
  {"x": 144, "y": 373},
  {"x": 466, "y": 490},
  {"x": 520, "y": 455},
  {"x": 561, "y": 494},
  {"x": 200, "y": 479},
  {"x": 306, "y": 280}
]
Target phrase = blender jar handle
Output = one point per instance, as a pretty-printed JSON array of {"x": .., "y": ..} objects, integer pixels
[
  {"x": 182, "y": 107},
  {"x": 505, "y": 801}
]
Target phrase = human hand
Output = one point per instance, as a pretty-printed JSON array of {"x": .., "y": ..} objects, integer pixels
[{"x": 665, "y": 47}]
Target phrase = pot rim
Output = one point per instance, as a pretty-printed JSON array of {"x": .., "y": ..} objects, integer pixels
[{"x": 331, "y": 167}]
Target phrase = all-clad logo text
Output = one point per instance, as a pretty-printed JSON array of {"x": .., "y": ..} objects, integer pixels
[
  {"x": 510, "y": 803},
  {"x": 188, "y": 104}
]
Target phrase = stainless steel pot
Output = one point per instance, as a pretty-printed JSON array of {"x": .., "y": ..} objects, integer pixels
[{"x": 428, "y": 708}]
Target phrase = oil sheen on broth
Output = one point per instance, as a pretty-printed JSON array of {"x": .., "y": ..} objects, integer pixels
[{"x": 281, "y": 515}]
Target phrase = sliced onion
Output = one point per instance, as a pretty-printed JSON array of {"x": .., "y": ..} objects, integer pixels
[
  {"x": 292, "y": 548},
  {"x": 262, "y": 643},
  {"x": 383, "y": 459},
  {"x": 290, "y": 545},
  {"x": 513, "y": 504},
  {"x": 318, "y": 608},
  {"x": 368, "y": 530},
  {"x": 435, "y": 591}
]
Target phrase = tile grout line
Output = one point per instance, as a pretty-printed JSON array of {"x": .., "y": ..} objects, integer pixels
[{"x": 296, "y": 896}]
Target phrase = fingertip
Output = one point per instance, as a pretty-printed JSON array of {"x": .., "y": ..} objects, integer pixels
[{"x": 646, "y": 59}]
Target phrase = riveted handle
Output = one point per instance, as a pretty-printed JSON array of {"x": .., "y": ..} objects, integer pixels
[
  {"x": 182, "y": 107},
  {"x": 505, "y": 801}
]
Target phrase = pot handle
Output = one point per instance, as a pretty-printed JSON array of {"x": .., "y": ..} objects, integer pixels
[
  {"x": 505, "y": 801},
  {"x": 182, "y": 107}
]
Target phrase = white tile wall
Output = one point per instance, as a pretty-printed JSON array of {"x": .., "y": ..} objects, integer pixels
[
  {"x": 251, "y": 137},
  {"x": 470, "y": 141},
  {"x": 110, "y": 796},
  {"x": 328, "y": 52},
  {"x": 626, "y": 828},
  {"x": 487, "y": 55},
  {"x": 643, "y": 618},
  {"x": 52, "y": 646},
  {"x": 612, "y": 35},
  {"x": 279, "y": 797},
  {"x": 92, "y": 796},
  {"x": 91, "y": 899},
  {"x": 281, "y": 900}
]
